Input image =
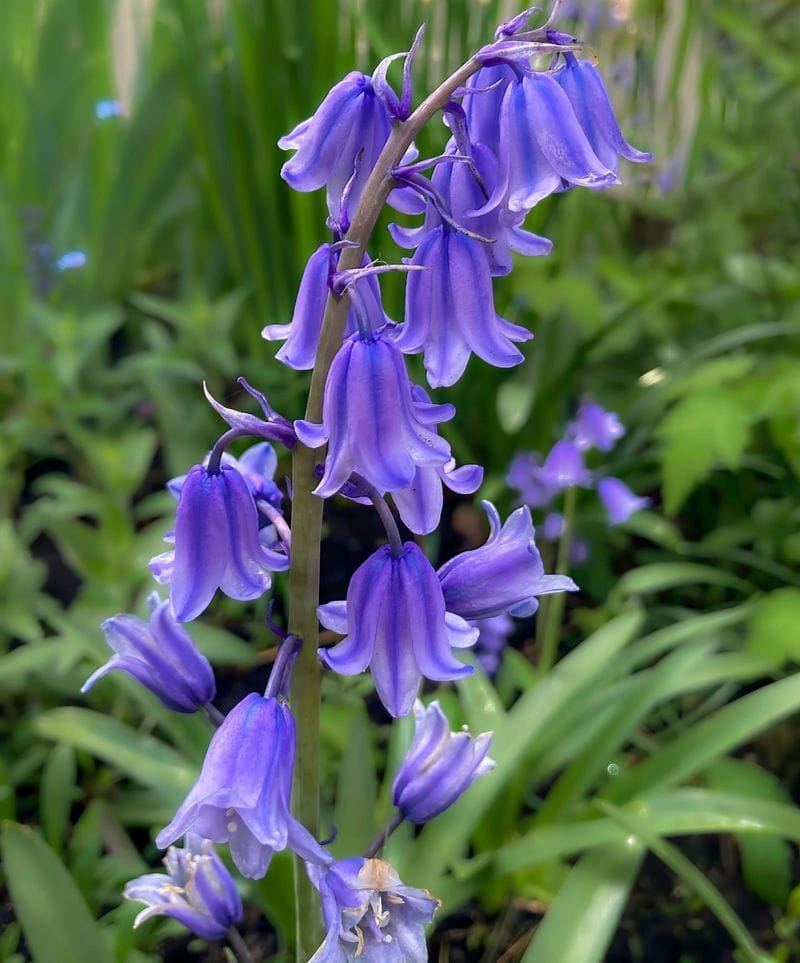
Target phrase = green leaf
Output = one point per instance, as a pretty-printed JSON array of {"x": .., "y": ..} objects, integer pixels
[
  {"x": 143, "y": 757},
  {"x": 57, "y": 790},
  {"x": 774, "y": 626},
  {"x": 702, "y": 430},
  {"x": 56, "y": 921},
  {"x": 583, "y": 917},
  {"x": 357, "y": 789}
]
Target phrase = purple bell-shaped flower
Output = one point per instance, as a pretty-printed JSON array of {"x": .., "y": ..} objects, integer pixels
[
  {"x": 439, "y": 766},
  {"x": 217, "y": 544},
  {"x": 345, "y": 134},
  {"x": 394, "y": 621},
  {"x": 584, "y": 87},
  {"x": 197, "y": 891},
  {"x": 371, "y": 422},
  {"x": 161, "y": 656},
  {"x": 450, "y": 309},
  {"x": 504, "y": 575},
  {"x": 370, "y": 914},
  {"x": 594, "y": 427},
  {"x": 563, "y": 467},
  {"x": 619, "y": 501},
  {"x": 243, "y": 792}
]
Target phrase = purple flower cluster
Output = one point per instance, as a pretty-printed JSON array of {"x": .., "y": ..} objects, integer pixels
[{"x": 517, "y": 135}]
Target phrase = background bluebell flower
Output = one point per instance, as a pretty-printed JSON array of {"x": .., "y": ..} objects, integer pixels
[
  {"x": 594, "y": 427},
  {"x": 370, "y": 914},
  {"x": 563, "y": 467},
  {"x": 160, "y": 655},
  {"x": 243, "y": 792},
  {"x": 618, "y": 500},
  {"x": 197, "y": 890},
  {"x": 505, "y": 574},
  {"x": 439, "y": 766},
  {"x": 394, "y": 621}
]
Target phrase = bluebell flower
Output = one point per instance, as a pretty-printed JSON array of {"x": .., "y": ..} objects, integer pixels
[
  {"x": 542, "y": 146},
  {"x": 563, "y": 467},
  {"x": 217, "y": 544},
  {"x": 619, "y": 501},
  {"x": 104, "y": 109},
  {"x": 553, "y": 526},
  {"x": 302, "y": 333},
  {"x": 584, "y": 87},
  {"x": 350, "y": 123},
  {"x": 439, "y": 766},
  {"x": 371, "y": 422},
  {"x": 197, "y": 891},
  {"x": 505, "y": 574},
  {"x": 450, "y": 309},
  {"x": 524, "y": 474},
  {"x": 160, "y": 655},
  {"x": 594, "y": 427},
  {"x": 487, "y": 88},
  {"x": 394, "y": 621},
  {"x": 257, "y": 465},
  {"x": 369, "y": 914},
  {"x": 243, "y": 792},
  {"x": 72, "y": 261}
]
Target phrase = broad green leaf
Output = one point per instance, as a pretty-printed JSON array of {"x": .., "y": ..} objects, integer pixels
[
  {"x": 56, "y": 921},
  {"x": 57, "y": 792},
  {"x": 702, "y": 430},
  {"x": 773, "y": 629},
  {"x": 582, "y": 919},
  {"x": 357, "y": 789},
  {"x": 661, "y": 576},
  {"x": 143, "y": 757}
]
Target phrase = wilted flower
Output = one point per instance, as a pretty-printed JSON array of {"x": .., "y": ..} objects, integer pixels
[
  {"x": 371, "y": 421},
  {"x": 619, "y": 501},
  {"x": 370, "y": 914},
  {"x": 242, "y": 794},
  {"x": 197, "y": 891},
  {"x": 504, "y": 575},
  {"x": 394, "y": 621},
  {"x": 439, "y": 766},
  {"x": 594, "y": 427},
  {"x": 161, "y": 656},
  {"x": 584, "y": 87},
  {"x": 217, "y": 544}
]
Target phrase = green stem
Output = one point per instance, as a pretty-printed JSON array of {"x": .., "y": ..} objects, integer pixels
[
  {"x": 551, "y": 611},
  {"x": 307, "y": 510}
]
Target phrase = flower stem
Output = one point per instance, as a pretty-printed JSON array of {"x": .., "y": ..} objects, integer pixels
[
  {"x": 379, "y": 841},
  {"x": 307, "y": 508},
  {"x": 551, "y": 611},
  {"x": 239, "y": 946}
]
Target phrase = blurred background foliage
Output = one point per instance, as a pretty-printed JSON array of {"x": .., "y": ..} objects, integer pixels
[{"x": 143, "y": 246}]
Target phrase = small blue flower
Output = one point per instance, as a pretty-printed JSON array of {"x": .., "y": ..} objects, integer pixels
[
  {"x": 197, "y": 891},
  {"x": 619, "y": 501},
  {"x": 524, "y": 474},
  {"x": 394, "y": 621},
  {"x": 439, "y": 766},
  {"x": 161, "y": 656},
  {"x": 504, "y": 575},
  {"x": 243, "y": 792},
  {"x": 370, "y": 915},
  {"x": 104, "y": 109},
  {"x": 72, "y": 261}
]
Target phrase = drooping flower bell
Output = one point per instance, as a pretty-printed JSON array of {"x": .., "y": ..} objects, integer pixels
[
  {"x": 217, "y": 543},
  {"x": 243, "y": 792},
  {"x": 370, "y": 420},
  {"x": 345, "y": 134},
  {"x": 257, "y": 465},
  {"x": 524, "y": 474},
  {"x": 542, "y": 145},
  {"x": 594, "y": 427},
  {"x": 619, "y": 501},
  {"x": 370, "y": 914},
  {"x": 439, "y": 766},
  {"x": 303, "y": 332},
  {"x": 394, "y": 621},
  {"x": 505, "y": 574},
  {"x": 160, "y": 655},
  {"x": 197, "y": 891},
  {"x": 584, "y": 87},
  {"x": 563, "y": 467},
  {"x": 450, "y": 309}
]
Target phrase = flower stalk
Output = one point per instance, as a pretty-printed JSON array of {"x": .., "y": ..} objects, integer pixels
[{"x": 552, "y": 610}]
